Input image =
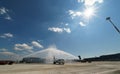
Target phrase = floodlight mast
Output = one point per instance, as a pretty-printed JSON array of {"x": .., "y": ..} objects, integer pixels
[{"x": 108, "y": 18}]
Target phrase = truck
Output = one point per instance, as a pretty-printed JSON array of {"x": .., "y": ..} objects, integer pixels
[{"x": 59, "y": 61}]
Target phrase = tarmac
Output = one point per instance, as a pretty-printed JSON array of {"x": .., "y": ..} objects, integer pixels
[{"x": 68, "y": 68}]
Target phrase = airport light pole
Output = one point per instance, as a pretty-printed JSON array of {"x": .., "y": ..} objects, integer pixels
[{"x": 108, "y": 18}]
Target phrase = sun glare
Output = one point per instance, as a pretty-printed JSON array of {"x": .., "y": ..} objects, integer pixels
[{"x": 89, "y": 12}]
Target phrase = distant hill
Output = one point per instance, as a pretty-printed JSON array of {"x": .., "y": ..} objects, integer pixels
[{"x": 110, "y": 57}]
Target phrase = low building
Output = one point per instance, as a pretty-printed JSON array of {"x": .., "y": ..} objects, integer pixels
[{"x": 32, "y": 60}]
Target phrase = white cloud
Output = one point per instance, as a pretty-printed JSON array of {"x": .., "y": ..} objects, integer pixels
[
  {"x": 36, "y": 44},
  {"x": 6, "y": 35},
  {"x": 82, "y": 24},
  {"x": 9, "y": 56},
  {"x": 66, "y": 24},
  {"x": 3, "y": 10},
  {"x": 23, "y": 46},
  {"x": 74, "y": 14},
  {"x": 60, "y": 30},
  {"x": 27, "y": 48},
  {"x": 89, "y": 10},
  {"x": 7, "y": 53},
  {"x": 79, "y": 1},
  {"x": 8, "y": 17},
  {"x": 67, "y": 30},
  {"x": 56, "y": 29},
  {"x": 4, "y": 13},
  {"x": 3, "y": 50},
  {"x": 90, "y": 2}
]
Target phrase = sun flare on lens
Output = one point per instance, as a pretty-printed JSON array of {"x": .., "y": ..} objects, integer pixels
[{"x": 89, "y": 12}]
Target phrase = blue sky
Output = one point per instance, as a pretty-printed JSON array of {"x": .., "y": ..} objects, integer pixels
[{"x": 75, "y": 26}]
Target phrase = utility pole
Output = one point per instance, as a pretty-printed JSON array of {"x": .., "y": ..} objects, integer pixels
[{"x": 108, "y": 18}]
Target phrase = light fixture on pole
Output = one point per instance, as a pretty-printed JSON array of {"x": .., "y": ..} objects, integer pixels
[{"x": 109, "y": 19}]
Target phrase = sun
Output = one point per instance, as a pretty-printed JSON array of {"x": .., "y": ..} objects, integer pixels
[{"x": 89, "y": 12}]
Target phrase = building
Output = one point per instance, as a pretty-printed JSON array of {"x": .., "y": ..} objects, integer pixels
[{"x": 32, "y": 60}]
